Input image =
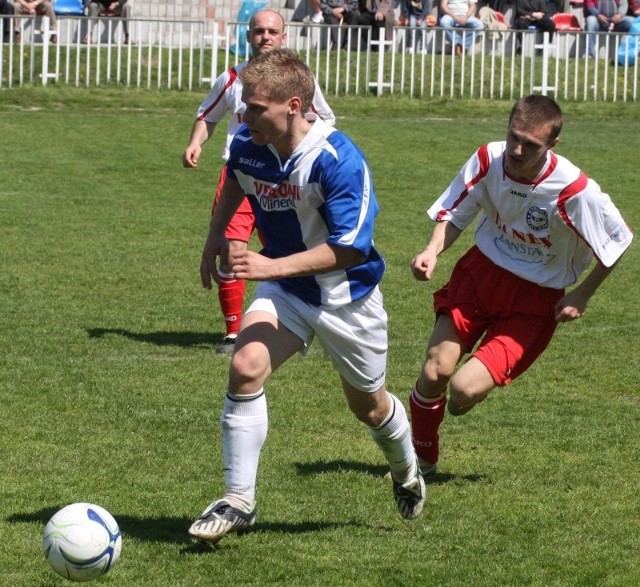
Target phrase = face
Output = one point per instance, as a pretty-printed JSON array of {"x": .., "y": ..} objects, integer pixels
[
  {"x": 527, "y": 149},
  {"x": 267, "y": 32},
  {"x": 267, "y": 120}
]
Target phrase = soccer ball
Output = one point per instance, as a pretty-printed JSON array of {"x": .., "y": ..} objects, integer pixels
[{"x": 82, "y": 542}]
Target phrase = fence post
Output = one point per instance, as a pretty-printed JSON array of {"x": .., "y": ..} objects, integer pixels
[
  {"x": 546, "y": 49},
  {"x": 379, "y": 84},
  {"x": 45, "y": 49}
]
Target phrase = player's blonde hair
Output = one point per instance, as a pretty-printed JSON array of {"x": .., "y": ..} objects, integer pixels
[
  {"x": 282, "y": 75},
  {"x": 537, "y": 111}
]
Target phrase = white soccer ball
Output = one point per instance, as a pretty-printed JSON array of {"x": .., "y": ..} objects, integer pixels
[{"x": 82, "y": 542}]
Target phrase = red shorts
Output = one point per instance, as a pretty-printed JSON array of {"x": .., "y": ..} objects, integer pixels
[
  {"x": 243, "y": 222},
  {"x": 515, "y": 316}
]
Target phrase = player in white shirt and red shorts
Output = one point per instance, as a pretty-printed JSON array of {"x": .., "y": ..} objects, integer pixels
[
  {"x": 541, "y": 223},
  {"x": 266, "y": 32}
]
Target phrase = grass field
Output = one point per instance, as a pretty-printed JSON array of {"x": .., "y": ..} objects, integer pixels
[{"x": 110, "y": 390}]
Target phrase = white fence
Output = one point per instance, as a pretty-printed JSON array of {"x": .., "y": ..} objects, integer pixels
[{"x": 167, "y": 54}]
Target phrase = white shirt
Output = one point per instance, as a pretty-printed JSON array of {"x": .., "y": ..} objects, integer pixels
[
  {"x": 459, "y": 7},
  {"x": 226, "y": 96},
  {"x": 547, "y": 231}
]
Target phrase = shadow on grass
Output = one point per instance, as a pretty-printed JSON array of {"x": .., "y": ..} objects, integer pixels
[
  {"x": 174, "y": 530},
  {"x": 180, "y": 339},
  {"x": 319, "y": 467}
]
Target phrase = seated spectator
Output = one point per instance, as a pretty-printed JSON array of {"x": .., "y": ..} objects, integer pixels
[
  {"x": 40, "y": 8},
  {"x": 414, "y": 13},
  {"x": 338, "y": 12},
  {"x": 552, "y": 7},
  {"x": 460, "y": 14},
  {"x": 7, "y": 9},
  {"x": 531, "y": 13},
  {"x": 605, "y": 15},
  {"x": 377, "y": 14},
  {"x": 308, "y": 9},
  {"x": 117, "y": 8}
]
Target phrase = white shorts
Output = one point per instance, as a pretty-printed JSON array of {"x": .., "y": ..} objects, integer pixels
[{"x": 354, "y": 335}]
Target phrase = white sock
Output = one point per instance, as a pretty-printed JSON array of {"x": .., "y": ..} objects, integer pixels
[
  {"x": 244, "y": 423},
  {"x": 393, "y": 437}
]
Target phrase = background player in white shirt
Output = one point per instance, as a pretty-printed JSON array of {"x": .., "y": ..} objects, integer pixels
[
  {"x": 541, "y": 223},
  {"x": 266, "y": 32},
  {"x": 315, "y": 205}
]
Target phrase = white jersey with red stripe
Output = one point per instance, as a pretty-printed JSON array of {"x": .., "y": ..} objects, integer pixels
[
  {"x": 226, "y": 96},
  {"x": 546, "y": 231}
]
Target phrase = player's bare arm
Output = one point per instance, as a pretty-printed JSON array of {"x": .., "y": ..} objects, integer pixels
[
  {"x": 200, "y": 134},
  {"x": 443, "y": 236},
  {"x": 216, "y": 247},
  {"x": 574, "y": 304},
  {"x": 321, "y": 259}
]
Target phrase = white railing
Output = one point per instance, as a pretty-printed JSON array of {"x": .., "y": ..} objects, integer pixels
[{"x": 167, "y": 54}]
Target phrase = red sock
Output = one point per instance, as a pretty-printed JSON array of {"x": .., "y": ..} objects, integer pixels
[
  {"x": 425, "y": 420},
  {"x": 231, "y": 296}
]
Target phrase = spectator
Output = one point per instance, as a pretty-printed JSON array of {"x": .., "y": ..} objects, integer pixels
[
  {"x": 266, "y": 32},
  {"x": 377, "y": 14},
  {"x": 40, "y": 8},
  {"x": 460, "y": 14},
  {"x": 634, "y": 8},
  {"x": 318, "y": 276},
  {"x": 415, "y": 13},
  {"x": 308, "y": 9},
  {"x": 117, "y": 8},
  {"x": 542, "y": 223},
  {"x": 336, "y": 13},
  {"x": 7, "y": 10},
  {"x": 531, "y": 13},
  {"x": 552, "y": 7},
  {"x": 605, "y": 15}
]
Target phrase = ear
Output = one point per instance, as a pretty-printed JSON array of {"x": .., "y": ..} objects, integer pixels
[{"x": 295, "y": 105}]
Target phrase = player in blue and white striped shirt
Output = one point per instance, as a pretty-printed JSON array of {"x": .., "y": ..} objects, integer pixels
[{"x": 312, "y": 194}]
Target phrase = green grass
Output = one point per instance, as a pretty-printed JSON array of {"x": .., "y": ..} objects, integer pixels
[{"x": 110, "y": 390}]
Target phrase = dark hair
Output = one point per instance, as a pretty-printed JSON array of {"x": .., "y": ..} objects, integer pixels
[{"x": 537, "y": 111}]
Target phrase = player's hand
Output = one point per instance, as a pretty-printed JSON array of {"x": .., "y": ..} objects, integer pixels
[
  {"x": 570, "y": 307},
  {"x": 423, "y": 265},
  {"x": 190, "y": 156},
  {"x": 253, "y": 266},
  {"x": 214, "y": 248}
]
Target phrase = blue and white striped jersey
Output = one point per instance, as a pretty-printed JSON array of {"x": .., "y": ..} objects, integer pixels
[{"x": 322, "y": 194}]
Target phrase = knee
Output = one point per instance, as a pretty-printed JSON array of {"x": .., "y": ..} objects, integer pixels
[
  {"x": 446, "y": 21},
  {"x": 463, "y": 396},
  {"x": 247, "y": 372},
  {"x": 370, "y": 408},
  {"x": 436, "y": 373},
  {"x": 372, "y": 417}
]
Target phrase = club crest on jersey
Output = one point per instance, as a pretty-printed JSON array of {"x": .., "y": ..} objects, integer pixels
[{"x": 537, "y": 219}]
